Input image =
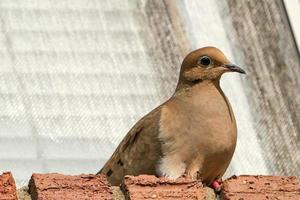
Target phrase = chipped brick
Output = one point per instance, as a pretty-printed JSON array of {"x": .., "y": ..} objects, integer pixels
[
  {"x": 58, "y": 186},
  {"x": 150, "y": 187},
  {"x": 260, "y": 188},
  {"x": 7, "y": 187}
]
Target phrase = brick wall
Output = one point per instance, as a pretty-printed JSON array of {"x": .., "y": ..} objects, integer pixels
[{"x": 144, "y": 187}]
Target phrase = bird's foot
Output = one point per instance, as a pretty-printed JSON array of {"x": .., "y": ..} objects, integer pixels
[
  {"x": 186, "y": 176},
  {"x": 193, "y": 176},
  {"x": 216, "y": 185}
]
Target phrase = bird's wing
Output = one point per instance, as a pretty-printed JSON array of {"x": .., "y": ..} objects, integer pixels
[{"x": 138, "y": 152}]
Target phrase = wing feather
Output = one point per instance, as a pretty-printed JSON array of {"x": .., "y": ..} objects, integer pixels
[{"x": 138, "y": 152}]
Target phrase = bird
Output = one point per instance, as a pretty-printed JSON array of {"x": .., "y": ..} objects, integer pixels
[{"x": 192, "y": 134}]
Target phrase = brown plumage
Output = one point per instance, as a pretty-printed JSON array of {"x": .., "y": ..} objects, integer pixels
[{"x": 193, "y": 133}]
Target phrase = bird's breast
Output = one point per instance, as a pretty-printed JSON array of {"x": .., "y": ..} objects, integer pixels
[{"x": 200, "y": 130}]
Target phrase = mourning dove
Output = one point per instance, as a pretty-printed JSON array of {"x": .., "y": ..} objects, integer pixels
[{"x": 192, "y": 134}]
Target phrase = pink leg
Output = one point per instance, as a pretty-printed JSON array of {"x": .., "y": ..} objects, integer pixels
[{"x": 216, "y": 185}]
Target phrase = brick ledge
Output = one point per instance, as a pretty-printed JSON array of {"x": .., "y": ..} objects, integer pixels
[{"x": 143, "y": 187}]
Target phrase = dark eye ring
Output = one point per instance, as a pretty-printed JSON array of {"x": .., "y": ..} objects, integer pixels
[{"x": 204, "y": 60}]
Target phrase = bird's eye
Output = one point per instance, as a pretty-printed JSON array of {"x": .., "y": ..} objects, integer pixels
[{"x": 204, "y": 60}]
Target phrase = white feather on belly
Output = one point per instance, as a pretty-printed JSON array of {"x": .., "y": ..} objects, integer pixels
[{"x": 169, "y": 165}]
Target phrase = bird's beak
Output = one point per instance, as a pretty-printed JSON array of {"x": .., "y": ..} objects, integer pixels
[{"x": 234, "y": 68}]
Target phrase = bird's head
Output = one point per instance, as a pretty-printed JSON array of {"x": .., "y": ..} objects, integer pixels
[{"x": 207, "y": 63}]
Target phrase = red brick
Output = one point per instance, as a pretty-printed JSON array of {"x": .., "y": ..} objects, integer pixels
[
  {"x": 150, "y": 187},
  {"x": 260, "y": 188},
  {"x": 7, "y": 187},
  {"x": 58, "y": 186}
]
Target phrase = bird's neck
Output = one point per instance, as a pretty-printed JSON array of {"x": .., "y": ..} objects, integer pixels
[
  {"x": 193, "y": 88},
  {"x": 204, "y": 95}
]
